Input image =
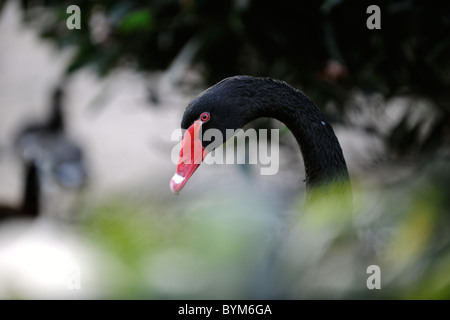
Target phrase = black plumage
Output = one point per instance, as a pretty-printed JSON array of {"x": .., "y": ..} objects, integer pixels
[{"x": 235, "y": 101}]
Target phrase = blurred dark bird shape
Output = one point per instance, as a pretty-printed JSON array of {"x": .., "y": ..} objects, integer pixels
[
  {"x": 30, "y": 204},
  {"x": 52, "y": 150}
]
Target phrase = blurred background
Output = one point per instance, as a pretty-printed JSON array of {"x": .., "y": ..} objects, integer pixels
[{"x": 86, "y": 119}]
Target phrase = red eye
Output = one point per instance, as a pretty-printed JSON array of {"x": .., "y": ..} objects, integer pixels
[{"x": 204, "y": 116}]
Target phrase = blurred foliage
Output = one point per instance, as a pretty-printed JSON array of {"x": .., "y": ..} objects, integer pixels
[
  {"x": 233, "y": 247},
  {"x": 323, "y": 47}
]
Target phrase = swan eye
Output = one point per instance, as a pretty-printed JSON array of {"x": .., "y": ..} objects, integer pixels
[{"x": 204, "y": 116}]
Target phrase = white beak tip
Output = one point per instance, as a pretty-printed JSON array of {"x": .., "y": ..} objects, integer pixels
[{"x": 175, "y": 183}]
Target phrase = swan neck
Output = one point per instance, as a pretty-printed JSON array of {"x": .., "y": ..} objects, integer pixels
[{"x": 322, "y": 154}]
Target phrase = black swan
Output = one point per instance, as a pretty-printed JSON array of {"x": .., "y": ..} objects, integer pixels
[
  {"x": 235, "y": 101},
  {"x": 30, "y": 204},
  {"x": 53, "y": 151}
]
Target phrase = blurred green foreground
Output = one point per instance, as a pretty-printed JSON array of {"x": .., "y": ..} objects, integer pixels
[{"x": 232, "y": 246}]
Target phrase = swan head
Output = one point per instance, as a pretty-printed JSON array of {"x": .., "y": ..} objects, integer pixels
[{"x": 216, "y": 112}]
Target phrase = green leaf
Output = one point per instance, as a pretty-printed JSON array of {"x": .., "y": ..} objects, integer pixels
[{"x": 138, "y": 20}]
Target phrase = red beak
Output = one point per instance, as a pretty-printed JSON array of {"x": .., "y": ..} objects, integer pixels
[{"x": 192, "y": 154}]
